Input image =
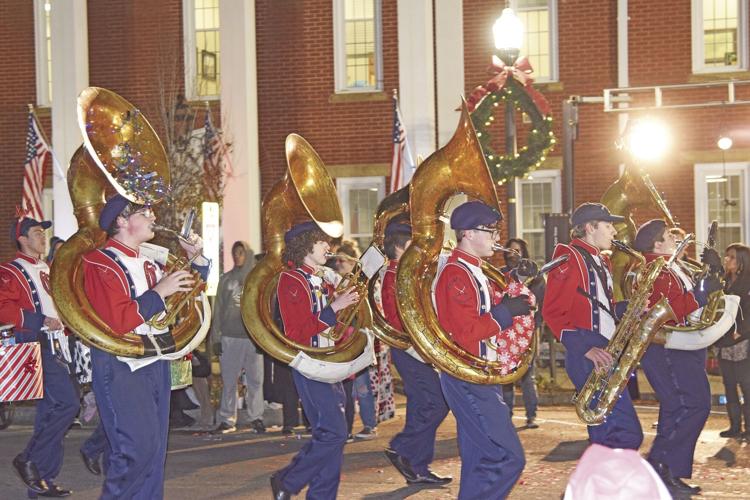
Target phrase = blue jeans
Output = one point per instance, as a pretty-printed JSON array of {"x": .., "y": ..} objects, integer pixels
[{"x": 363, "y": 393}]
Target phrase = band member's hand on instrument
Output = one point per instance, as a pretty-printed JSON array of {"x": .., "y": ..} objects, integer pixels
[
  {"x": 711, "y": 257},
  {"x": 193, "y": 245},
  {"x": 517, "y": 306},
  {"x": 344, "y": 299},
  {"x": 704, "y": 287},
  {"x": 53, "y": 323},
  {"x": 602, "y": 359},
  {"x": 526, "y": 269},
  {"x": 178, "y": 281}
]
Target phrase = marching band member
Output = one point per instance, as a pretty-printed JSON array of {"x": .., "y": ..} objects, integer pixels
[
  {"x": 305, "y": 315},
  {"x": 468, "y": 308},
  {"x": 411, "y": 450},
  {"x": 25, "y": 302},
  {"x": 677, "y": 376},
  {"x": 580, "y": 310},
  {"x": 126, "y": 289}
]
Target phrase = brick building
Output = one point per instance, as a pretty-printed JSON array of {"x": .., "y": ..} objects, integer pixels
[{"x": 325, "y": 69}]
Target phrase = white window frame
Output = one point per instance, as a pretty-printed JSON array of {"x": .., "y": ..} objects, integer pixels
[
  {"x": 191, "y": 64},
  {"x": 697, "y": 40},
  {"x": 554, "y": 70},
  {"x": 339, "y": 50},
  {"x": 545, "y": 175},
  {"x": 704, "y": 171},
  {"x": 41, "y": 56},
  {"x": 345, "y": 184}
]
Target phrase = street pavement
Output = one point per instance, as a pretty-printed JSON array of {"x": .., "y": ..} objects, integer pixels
[{"x": 238, "y": 465}]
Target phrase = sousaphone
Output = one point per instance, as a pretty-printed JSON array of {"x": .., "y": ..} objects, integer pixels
[{"x": 121, "y": 153}]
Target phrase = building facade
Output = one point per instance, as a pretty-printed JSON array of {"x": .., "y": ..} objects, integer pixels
[{"x": 326, "y": 69}]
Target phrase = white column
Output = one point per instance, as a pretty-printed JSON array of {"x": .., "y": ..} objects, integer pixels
[
  {"x": 449, "y": 42},
  {"x": 239, "y": 119},
  {"x": 70, "y": 75},
  {"x": 416, "y": 74}
]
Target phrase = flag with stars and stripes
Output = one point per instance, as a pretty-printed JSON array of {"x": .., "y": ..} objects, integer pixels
[
  {"x": 401, "y": 160},
  {"x": 37, "y": 152}
]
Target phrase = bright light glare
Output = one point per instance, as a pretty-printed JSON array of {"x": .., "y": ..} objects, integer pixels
[
  {"x": 508, "y": 31},
  {"x": 648, "y": 140},
  {"x": 724, "y": 142}
]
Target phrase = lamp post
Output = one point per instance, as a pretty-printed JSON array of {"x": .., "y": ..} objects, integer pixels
[{"x": 508, "y": 34}]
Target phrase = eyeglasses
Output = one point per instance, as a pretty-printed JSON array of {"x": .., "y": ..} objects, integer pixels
[
  {"x": 494, "y": 232},
  {"x": 146, "y": 212}
]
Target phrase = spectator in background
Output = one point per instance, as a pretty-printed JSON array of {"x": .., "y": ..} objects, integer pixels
[
  {"x": 733, "y": 347},
  {"x": 232, "y": 343},
  {"x": 520, "y": 250}
]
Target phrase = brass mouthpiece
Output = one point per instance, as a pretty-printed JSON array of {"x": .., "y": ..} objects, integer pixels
[{"x": 499, "y": 248}]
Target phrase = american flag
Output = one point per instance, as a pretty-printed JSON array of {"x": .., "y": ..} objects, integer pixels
[
  {"x": 37, "y": 152},
  {"x": 401, "y": 154},
  {"x": 216, "y": 160}
]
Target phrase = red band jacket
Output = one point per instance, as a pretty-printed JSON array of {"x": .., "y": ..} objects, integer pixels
[
  {"x": 388, "y": 296},
  {"x": 677, "y": 290},
  {"x": 468, "y": 305},
  {"x": 25, "y": 298},
  {"x": 566, "y": 308},
  {"x": 118, "y": 282},
  {"x": 303, "y": 306}
]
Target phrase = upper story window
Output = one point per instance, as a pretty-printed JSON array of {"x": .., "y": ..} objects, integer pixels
[
  {"x": 202, "y": 54},
  {"x": 539, "y": 18},
  {"x": 43, "y": 42},
  {"x": 358, "y": 64},
  {"x": 720, "y": 30}
]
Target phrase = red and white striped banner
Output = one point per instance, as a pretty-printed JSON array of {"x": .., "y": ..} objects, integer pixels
[{"x": 21, "y": 372}]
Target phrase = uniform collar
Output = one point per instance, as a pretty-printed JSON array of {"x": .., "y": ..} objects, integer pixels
[
  {"x": 306, "y": 269},
  {"x": 27, "y": 258},
  {"x": 583, "y": 244},
  {"x": 113, "y": 243},
  {"x": 466, "y": 257},
  {"x": 392, "y": 265}
]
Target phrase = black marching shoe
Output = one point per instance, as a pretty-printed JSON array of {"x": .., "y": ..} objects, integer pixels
[
  {"x": 279, "y": 493},
  {"x": 29, "y": 475},
  {"x": 430, "y": 478},
  {"x": 401, "y": 464},
  {"x": 732, "y": 432},
  {"x": 91, "y": 464},
  {"x": 54, "y": 491},
  {"x": 675, "y": 485}
]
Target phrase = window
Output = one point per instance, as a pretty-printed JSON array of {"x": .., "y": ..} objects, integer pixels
[
  {"x": 43, "y": 41},
  {"x": 719, "y": 35},
  {"x": 721, "y": 193},
  {"x": 357, "y": 45},
  {"x": 536, "y": 195},
  {"x": 202, "y": 54},
  {"x": 359, "y": 198},
  {"x": 539, "y": 18}
]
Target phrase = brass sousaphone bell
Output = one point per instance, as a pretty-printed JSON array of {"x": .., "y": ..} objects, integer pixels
[
  {"x": 306, "y": 192},
  {"x": 122, "y": 153}
]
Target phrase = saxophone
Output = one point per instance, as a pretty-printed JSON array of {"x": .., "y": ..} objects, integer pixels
[{"x": 627, "y": 346}]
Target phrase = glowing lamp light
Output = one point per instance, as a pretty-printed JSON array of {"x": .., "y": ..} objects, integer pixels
[
  {"x": 508, "y": 34},
  {"x": 648, "y": 139},
  {"x": 724, "y": 142}
]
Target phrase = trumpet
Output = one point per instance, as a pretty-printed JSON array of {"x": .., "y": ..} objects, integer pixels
[{"x": 355, "y": 278}]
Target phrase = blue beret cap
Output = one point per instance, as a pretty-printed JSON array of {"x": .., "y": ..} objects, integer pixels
[
  {"x": 648, "y": 233},
  {"x": 113, "y": 208},
  {"x": 587, "y": 212},
  {"x": 21, "y": 227},
  {"x": 473, "y": 214},
  {"x": 298, "y": 229},
  {"x": 394, "y": 227}
]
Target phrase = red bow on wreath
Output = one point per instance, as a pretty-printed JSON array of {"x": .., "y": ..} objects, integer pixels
[{"x": 521, "y": 70}]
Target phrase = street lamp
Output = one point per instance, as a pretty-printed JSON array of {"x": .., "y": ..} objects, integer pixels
[
  {"x": 508, "y": 34},
  {"x": 648, "y": 139},
  {"x": 724, "y": 142}
]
